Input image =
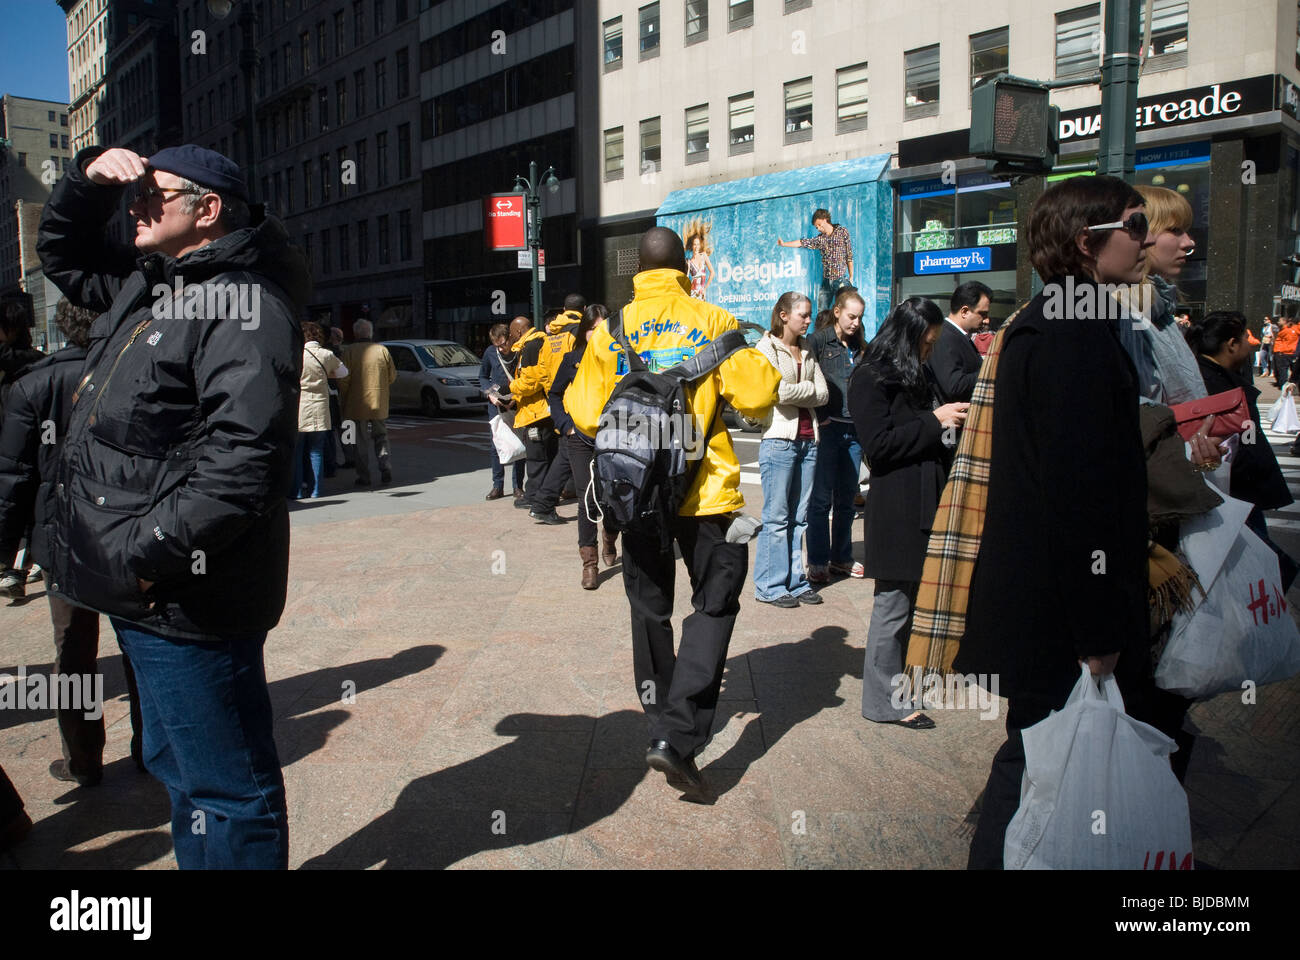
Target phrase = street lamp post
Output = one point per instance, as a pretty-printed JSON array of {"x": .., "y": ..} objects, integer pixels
[
  {"x": 250, "y": 61},
  {"x": 531, "y": 187}
]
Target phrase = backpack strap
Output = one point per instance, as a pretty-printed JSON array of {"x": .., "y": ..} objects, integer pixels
[
  {"x": 615, "y": 326},
  {"x": 709, "y": 358}
]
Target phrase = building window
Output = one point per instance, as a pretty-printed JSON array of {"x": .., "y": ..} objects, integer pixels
[
  {"x": 1167, "y": 49},
  {"x": 650, "y": 146},
  {"x": 363, "y": 243},
  {"x": 381, "y": 84},
  {"x": 338, "y": 33},
  {"x": 990, "y": 54},
  {"x": 614, "y": 154},
  {"x": 1078, "y": 41},
  {"x": 400, "y": 13},
  {"x": 323, "y": 109},
  {"x": 325, "y": 178},
  {"x": 798, "y": 110},
  {"x": 921, "y": 98},
  {"x": 379, "y": 17},
  {"x": 50, "y": 116},
  {"x": 342, "y": 155},
  {"x": 288, "y": 62},
  {"x": 304, "y": 119},
  {"x": 306, "y": 183},
  {"x": 404, "y": 235},
  {"x": 697, "y": 133},
  {"x": 63, "y": 119},
  {"x": 740, "y": 119},
  {"x": 851, "y": 98},
  {"x": 381, "y": 158},
  {"x": 403, "y": 73},
  {"x": 613, "y": 44},
  {"x": 697, "y": 21},
  {"x": 792, "y": 5},
  {"x": 320, "y": 41},
  {"x": 361, "y": 164},
  {"x": 649, "y": 18},
  {"x": 288, "y": 189},
  {"x": 341, "y": 99},
  {"x": 381, "y": 227},
  {"x": 740, "y": 14},
  {"x": 358, "y": 23},
  {"x": 345, "y": 253},
  {"x": 359, "y": 88},
  {"x": 307, "y": 251},
  {"x": 304, "y": 50},
  {"x": 63, "y": 141},
  {"x": 54, "y": 139},
  {"x": 275, "y": 70},
  {"x": 325, "y": 257},
  {"x": 403, "y": 151}
]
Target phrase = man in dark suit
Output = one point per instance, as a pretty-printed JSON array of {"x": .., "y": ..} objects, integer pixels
[{"x": 954, "y": 361}]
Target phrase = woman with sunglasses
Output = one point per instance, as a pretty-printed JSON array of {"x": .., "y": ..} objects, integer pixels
[{"x": 1066, "y": 490}]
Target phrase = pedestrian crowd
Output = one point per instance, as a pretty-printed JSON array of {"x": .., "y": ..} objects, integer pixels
[{"x": 1001, "y": 461}]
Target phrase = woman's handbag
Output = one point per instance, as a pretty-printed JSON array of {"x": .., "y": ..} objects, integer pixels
[{"x": 1229, "y": 409}]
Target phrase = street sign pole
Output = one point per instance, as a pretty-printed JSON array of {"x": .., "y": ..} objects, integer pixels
[
  {"x": 535, "y": 239},
  {"x": 1117, "y": 149}
]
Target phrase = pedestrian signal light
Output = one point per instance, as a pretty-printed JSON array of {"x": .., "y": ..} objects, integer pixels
[{"x": 1014, "y": 124}]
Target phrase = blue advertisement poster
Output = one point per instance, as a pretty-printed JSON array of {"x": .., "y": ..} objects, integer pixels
[{"x": 731, "y": 230}]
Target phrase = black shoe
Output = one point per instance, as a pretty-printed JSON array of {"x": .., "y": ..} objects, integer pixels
[
  {"x": 59, "y": 771},
  {"x": 662, "y": 757},
  {"x": 787, "y": 601},
  {"x": 921, "y": 722},
  {"x": 361, "y": 483},
  {"x": 523, "y": 503},
  {"x": 496, "y": 493},
  {"x": 385, "y": 476},
  {"x": 549, "y": 517},
  {"x": 810, "y": 596},
  {"x": 518, "y": 495}
]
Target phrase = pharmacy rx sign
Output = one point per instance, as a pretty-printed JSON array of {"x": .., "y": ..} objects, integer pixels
[{"x": 504, "y": 222}]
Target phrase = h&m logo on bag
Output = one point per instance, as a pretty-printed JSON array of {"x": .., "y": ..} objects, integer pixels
[
  {"x": 1170, "y": 865},
  {"x": 1274, "y": 606}
]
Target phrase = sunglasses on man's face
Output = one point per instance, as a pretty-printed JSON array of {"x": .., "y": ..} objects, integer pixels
[
  {"x": 1135, "y": 226},
  {"x": 147, "y": 195}
]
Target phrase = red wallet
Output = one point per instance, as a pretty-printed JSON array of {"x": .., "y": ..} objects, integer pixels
[{"x": 1230, "y": 414}]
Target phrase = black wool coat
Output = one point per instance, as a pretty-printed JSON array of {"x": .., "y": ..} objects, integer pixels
[
  {"x": 1062, "y": 567},
  {"x": 1256, "y": 477},
  {"x": 902, "y": 442}
]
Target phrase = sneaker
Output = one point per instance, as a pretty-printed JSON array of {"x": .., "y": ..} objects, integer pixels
[
  {"x": 787, "y": 601},
  {"x": 13, "y": 584},
  {"x": 810, "y": 596},
  {"x": 854, "y": 570},
  {"x": 35, "y": 574},
  {"x": 818, "y": 573}
]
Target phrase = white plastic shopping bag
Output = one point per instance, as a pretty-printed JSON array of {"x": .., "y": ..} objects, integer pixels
[
  {"x": 1098, "y": 792},
  {"x": 509, "y": 447},
  {"x": 1286, "y": 420},
  {"x": 1241, "y": 630}
]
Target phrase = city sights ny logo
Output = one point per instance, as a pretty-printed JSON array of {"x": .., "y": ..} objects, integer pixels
[{"x": 208, "y": 301}]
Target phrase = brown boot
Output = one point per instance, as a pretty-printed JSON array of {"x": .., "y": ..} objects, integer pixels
[
  {"x": 590, "y": 569},
  {"x": 609, "y": 546}
]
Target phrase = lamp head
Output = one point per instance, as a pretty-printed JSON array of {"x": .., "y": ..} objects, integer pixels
[
  {"x": 552, "y": 184},
  {"x": 219, "y": 8}
]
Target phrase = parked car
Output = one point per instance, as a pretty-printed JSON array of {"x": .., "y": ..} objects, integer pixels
[{"x": 435, "y": 376}]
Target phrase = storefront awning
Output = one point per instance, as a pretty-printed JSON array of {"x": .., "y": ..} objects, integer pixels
[{"x": 770, "y": 186}]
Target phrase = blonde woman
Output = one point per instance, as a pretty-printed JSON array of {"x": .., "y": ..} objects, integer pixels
[{"x": 787, "y": 457}]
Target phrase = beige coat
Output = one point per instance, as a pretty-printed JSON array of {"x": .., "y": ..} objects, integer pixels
[
  {"x": 805, "y": 390},
  {"x": 318, "y": 364},
  {"x": 364, "y": 391}
]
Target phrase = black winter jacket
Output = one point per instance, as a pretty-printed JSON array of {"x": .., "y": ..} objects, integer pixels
[
  {"x": 1256, "y": 476},
  {"x": 31, "y": 438},
  {"x": 182, "y": 430}
]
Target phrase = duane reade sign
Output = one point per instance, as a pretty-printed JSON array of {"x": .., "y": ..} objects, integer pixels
[{"x": 1182, "y": 106}]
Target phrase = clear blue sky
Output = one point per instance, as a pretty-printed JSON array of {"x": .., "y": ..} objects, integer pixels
[{"x": 33, "y": 50}]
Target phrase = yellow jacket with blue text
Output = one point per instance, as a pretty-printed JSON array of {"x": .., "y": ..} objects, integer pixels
[
  {"x": 539, "y": 357},
  {"x": 665, "y": 325}
]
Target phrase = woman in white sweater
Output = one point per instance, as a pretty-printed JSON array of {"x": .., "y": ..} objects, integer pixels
[
  {"x": 787, "y": 457},
  {"x": 319, "y": 366}
]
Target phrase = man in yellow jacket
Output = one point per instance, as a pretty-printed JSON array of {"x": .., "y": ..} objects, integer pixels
[
  {"x": 558, "y": 345},
  {"x": 664, "y": 325},
  {"x": 539, "y": 357}
]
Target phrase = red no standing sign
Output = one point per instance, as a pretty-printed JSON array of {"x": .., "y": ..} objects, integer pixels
[{"x": 503, "y": 222}]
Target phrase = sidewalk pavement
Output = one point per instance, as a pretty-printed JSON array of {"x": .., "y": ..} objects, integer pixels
[{"x": 495, "y": 724}]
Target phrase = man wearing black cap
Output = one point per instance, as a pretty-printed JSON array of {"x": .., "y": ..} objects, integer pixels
[{"x": 169, "y": 510}]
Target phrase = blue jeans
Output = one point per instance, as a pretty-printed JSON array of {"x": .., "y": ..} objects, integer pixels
[
  {"x": 828, "y": 290},
  {"x": 207, "y": 737},
  {"x": 786, "y": 468},
  {"x": 830, "y": 513},
  {"x": 309, "y": 455}
]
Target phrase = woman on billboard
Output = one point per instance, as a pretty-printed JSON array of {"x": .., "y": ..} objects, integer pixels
[{"x": 699, "y": 268}]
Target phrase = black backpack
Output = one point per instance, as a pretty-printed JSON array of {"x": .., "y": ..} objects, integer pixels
[{"x": 647, "y": 448}]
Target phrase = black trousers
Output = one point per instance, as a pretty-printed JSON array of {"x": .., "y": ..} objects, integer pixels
[
  {"x": 76, "y": 651},
  {"x": 679, "y": 691},
  {"x": 11, "y": 804},
  {"x": 541, "y": 444},
  {"x": 558, "y": 475}
]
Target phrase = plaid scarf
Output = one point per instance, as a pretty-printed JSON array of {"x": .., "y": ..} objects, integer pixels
[{"x": 939, "y": 615}]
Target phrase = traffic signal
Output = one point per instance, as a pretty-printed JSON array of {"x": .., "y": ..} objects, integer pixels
[{"x": 1014, "y": 125}]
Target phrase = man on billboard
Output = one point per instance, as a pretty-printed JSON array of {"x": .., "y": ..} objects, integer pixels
[{"x": 837, "y": 255}]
